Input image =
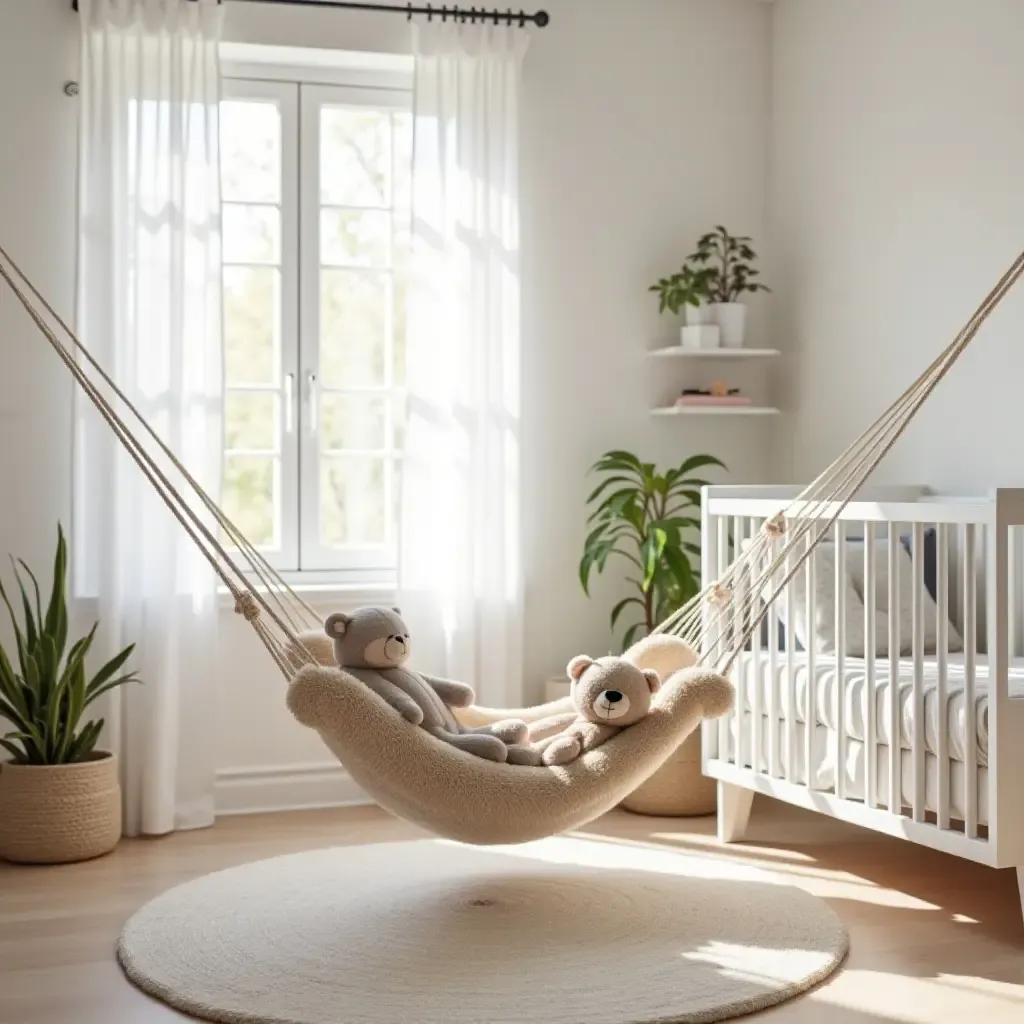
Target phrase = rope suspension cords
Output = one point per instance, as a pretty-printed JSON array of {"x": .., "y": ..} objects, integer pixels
[
  {"x": 430, "y": 11},
  {"x": 276, "y": 613},
  {"x": 717, "y": 622},
  {"x": 723, "y": 617}
]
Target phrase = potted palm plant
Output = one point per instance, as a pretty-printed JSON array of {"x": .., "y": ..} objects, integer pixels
[
  {"x": 650, "y": 521},
  {"x": 60, "y": 800},
  {"x": 728, "y": 261}
]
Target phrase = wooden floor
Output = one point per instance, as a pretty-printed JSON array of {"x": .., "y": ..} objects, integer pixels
[{"x": 934, "y": 939}]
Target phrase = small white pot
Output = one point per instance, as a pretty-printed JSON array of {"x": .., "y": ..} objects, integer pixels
[
  {"x": 697, "y": 315},
  {"x": 731, "y": 318},
  {"x": 700, "y": 336}
]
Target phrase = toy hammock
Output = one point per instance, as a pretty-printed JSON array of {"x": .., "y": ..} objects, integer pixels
[{"x": 415, "y": 775}]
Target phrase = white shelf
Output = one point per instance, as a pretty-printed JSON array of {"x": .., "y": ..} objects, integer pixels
[
  {"x": 678, "y": 352},
  {"x": 715, "y": 410}
]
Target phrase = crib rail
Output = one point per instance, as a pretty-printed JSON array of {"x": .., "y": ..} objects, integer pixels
[{"x": 885, "y": 684}]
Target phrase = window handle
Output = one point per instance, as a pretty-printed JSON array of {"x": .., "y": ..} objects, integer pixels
[
  {"x": 289, "y": 403},
  {"x": 313, "y": 424}
]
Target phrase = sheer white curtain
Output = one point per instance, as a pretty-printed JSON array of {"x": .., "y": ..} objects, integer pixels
[
  {"x": 460, "y": 583},
  {"x": 149, "y": 310}
]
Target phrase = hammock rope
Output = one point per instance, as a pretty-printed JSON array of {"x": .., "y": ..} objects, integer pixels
[
  {"x": 718, "y": 622},
  {"x": 808, "y": 508},
  {"x": 272, "y": 596}
]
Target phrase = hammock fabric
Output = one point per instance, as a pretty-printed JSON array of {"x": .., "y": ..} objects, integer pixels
[{"x": 412, "y": 773}]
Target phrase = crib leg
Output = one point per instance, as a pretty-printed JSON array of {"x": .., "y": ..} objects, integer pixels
[
  {"x": 1020, "y": 888},
  {"x": 734, "y": 803}
]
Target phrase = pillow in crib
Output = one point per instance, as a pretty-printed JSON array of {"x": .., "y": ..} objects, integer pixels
[
  {"x": 824, "y": 624},
  {"x": 905, "y": 568}
]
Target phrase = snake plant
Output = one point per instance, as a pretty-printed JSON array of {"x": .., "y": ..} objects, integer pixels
[{"x": 44, "y": 696}]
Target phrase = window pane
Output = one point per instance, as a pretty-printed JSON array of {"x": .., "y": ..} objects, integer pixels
[
  {"x": 354, "y": 312},
  {"x": 355, "y": 157},
  {"x": 352, "y": 504},
  {"x": 250, "y": 496},
  {"x": 400, "y": 291},
  {"x": 252, "y": 234},
  {"x": 252, "y": 317},
  {"x": 250, "y": 421},
  {"x": 250, "y": 134},
  {"x": 355, "y": 238},
  {"x": 353, "y": 421},
  {"x": 402, "y": 141},
  {"x": 398, "y": 424}
]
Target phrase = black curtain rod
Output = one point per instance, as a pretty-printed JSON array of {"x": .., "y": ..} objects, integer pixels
[{"x": 470, "y": 14}]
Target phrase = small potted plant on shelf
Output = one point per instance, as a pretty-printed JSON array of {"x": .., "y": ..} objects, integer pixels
[
  {"x": 651, "y": 520},
  {"x": 60, "y": 800},
  {"x": 690, "y": 290},
  {"x": 729, "y": 259}
]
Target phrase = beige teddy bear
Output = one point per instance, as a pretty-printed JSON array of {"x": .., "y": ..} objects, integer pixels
[
  {"x": 608, "y": 695},
  {"x": 373, "y": 645}
]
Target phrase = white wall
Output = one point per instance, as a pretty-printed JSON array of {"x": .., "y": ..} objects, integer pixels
[
  {"x": 897, "y": 147},
  {"x": 640, "y": 129},
  {"x": 38, "y": 129}
]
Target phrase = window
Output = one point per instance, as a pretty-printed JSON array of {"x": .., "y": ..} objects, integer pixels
[{"x": 316, "y": 193}]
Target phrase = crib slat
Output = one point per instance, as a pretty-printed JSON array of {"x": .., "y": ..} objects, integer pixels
[
  {"x": 790, "y": 669},
  {"x": 970, "y": 590},
  {"x": 840, "y": 602},
  {"x": 755, "y": 715},
  {"x": 917, "y": 614},
  {"x": 1011, "y": 594},
  {"x": 774, "y": 768},
  {"x": 870, "y": 624},
  {"x": 895, "y": 764},
  {"x": 739, "y": 622},
  {"x": 724, "y": 723},
  {"x": 811, "y": 716},
  {"x": 942, "y": 667}
]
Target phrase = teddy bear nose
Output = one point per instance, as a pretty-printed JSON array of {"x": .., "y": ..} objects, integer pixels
[{"x": 612, "y": 696}]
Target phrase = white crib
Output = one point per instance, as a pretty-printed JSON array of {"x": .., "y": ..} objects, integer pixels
[{"x": 804, "y": 729}]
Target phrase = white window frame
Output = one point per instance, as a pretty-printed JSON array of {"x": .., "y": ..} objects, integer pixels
[
  {"x": 285, "y": 555},
  {"x": 300, "y": 91}
]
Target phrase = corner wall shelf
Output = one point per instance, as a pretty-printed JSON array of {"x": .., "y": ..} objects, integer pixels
[
  {"x": 678, "y": 352},
  {"x": 715, "y": 410}
]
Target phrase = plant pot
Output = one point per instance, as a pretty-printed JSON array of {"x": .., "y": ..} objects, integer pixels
[
  {"x": 700, "y": 336},
  {"x": 678, "y": 789},
  {"x": 731, "y": 317},
  {"x": 697, "y": 315},
  {"x": 56, "y": 814}
]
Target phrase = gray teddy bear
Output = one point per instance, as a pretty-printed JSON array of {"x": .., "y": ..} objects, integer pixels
[{"x": 373, "y": 645}]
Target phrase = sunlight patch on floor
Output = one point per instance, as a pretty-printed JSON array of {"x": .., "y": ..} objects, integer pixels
[
  {"x": 824, "y": 882},
  {"x": 921, "y": 1000},
  {"x": 713, "y": 843},
  {"x": 626, "y": 856}
]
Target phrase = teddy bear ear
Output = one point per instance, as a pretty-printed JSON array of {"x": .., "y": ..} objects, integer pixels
[
  {"x": 578, "y": 666},
  {"x": 653, "y": 679},
  {"x": 397, "y": 611},
  {"x": 337, "y": 623}
]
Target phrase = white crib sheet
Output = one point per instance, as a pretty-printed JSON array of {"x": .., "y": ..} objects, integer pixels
[
  {"x": 824, "y": 765},
  {"x": 753, "y": 667}
]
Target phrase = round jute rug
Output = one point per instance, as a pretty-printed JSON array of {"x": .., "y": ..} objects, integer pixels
[{"x": 432, "y": 932}]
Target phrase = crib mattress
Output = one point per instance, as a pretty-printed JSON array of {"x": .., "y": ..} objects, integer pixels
[
  {"x": 754, "y": 669},
  {"x": 826, "y": 768}
]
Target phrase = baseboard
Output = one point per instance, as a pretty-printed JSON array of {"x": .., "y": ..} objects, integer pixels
[{"x": 285, "y": 787}]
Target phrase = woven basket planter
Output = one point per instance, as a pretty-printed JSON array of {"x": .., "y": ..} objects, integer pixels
[
  {"x": 55, "y": 814},
  {"x": 678, "y": 789}
]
